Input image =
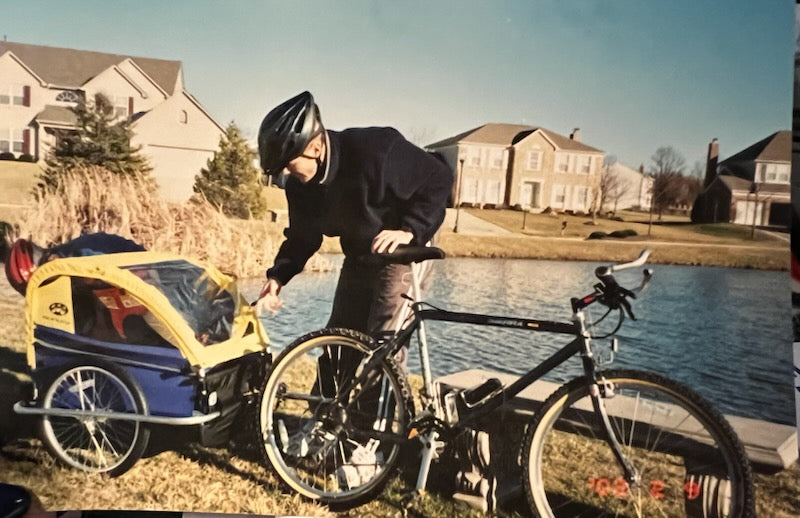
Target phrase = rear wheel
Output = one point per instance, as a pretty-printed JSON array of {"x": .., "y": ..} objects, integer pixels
[
  {"x": 688, "y": 459},
  {"x": 96, "y": 444},
  {"x": 326, "y": 444}
]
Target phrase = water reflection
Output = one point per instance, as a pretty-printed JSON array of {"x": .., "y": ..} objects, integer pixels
[{"x": 725, "y": 332}]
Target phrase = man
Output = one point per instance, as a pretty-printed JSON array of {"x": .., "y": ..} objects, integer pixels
[{"x": 369, "y": 186}]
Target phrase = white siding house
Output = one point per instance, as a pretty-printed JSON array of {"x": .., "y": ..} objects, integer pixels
[{"x": 39, "y": 84}]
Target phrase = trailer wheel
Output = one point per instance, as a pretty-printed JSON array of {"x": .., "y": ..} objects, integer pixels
[{"x": 96, "y": 444}]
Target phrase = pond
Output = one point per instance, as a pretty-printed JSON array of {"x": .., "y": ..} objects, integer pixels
[{"x": 725, "y": 332}]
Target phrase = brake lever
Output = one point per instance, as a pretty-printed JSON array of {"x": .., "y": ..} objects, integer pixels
[{"x": 627, "y": 306}]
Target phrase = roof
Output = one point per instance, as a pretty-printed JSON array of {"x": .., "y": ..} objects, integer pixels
[
  {"x": 775, "y": 148},
  {"x": 563, "y": 142},
  {"x": 73, "y": 68},
  {"x": 492, "y": 133},
  {"x": 57, "y": 115},
  {"x": 507, "y": 135},
  {"x": 735, "y": 183}
]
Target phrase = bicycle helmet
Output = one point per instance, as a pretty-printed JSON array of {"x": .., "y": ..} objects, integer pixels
[
  {"x": 21, "y": 262},
  {"x": 286, "y": 131}
]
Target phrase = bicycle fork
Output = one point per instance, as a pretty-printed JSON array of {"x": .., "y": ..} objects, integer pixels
[
  {"x": 598, "y": 391},
  {"x": 632, "y": 476}
]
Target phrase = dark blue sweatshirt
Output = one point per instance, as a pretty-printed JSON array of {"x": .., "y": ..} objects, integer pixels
[{"x": 376, "y": 181}]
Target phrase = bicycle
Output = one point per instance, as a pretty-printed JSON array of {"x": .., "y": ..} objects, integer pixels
[{"x": 615, "y": 442}]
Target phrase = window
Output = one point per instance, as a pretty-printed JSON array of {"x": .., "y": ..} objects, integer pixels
[
  {"x": 585, "y": 164},
  {"x": 559, "y": 196},
  {"x": 534, "y": 161},
  {"x": 12, "y": 140},
  {"x": 474, "y": 156},
  {"x": 13, "y": 95},
  {"x": 774, "y": 173},
  {"x": 68, "y": 96},
  {"x": 496, "y": 158},
  {"x": 582, "y": 198},
  {"x": 120, "y": 106},
  {"x": 183, "y": 118},
  {"x": 17, "y": 142},
  {"x": 562, "y": 162}
]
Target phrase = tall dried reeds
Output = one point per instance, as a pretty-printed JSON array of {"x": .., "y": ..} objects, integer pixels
[{"x": 93, "y": 199}]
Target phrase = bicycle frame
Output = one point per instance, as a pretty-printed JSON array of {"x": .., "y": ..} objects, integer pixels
[{"x": 581, "y": 344}]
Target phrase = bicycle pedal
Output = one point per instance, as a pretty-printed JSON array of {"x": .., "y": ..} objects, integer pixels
[{"x": 480, "y": 394}]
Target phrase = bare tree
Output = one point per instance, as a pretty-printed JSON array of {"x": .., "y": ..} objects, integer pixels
[
  {"x": 608, "y": 181},
  {"x": 698, "y": 170},
  {"x": 612, "y": 186},
  {"x": 691, "y": 187},
  {"x": 667, "y": 171},
  {"x": 420, "y": 135}
]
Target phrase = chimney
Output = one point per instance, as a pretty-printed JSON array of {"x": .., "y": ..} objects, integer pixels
[
  {"x": 575, "y": 135},
  {"x": 711, "y": 162}
]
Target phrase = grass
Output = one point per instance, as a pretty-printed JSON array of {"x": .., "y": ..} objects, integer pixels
[
  {"x": 18, "y": 179},
  {"x": 676, "y": 242},
  {"x": 674, "y": 230}
]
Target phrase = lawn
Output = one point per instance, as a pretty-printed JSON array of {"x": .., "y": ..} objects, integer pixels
[
  {"x": 17, "y": 180},
  {"x": 675, "y": 229}
]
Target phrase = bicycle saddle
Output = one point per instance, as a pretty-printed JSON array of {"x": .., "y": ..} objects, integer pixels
[{"x": 404, "y": 254}]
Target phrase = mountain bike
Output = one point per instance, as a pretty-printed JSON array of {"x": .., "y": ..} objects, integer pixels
[{"x": 337, "y": 415}]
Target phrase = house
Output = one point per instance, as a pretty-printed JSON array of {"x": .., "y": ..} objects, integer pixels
[
  {"x": 529, "y": 167},
  {"x": 39, "y": 84},
  {"x": 628, "y": 188},
  {"x": 749, "y": 188}
]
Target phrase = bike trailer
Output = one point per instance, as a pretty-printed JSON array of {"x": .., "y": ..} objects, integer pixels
[{"x": 119, "y": 342}]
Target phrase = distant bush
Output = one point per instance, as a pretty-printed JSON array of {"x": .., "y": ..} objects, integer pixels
[
  {"x": 25, "y": 157},
  {"x": 597, "y": 235},
  {"x": 7, "y": 155},
  {"x": 623, "y": 233}
]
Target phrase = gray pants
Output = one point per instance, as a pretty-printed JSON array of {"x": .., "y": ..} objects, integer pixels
[{"x": 369, "y": 299}]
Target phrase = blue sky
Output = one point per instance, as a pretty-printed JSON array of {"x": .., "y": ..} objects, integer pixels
[{"x": 633, "y": 75}]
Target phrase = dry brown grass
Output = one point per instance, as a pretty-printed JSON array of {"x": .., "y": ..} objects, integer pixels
[{"x": 95, "y": 200}]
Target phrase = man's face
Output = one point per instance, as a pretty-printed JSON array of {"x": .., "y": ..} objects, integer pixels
[{"x": 304, "y": 167}]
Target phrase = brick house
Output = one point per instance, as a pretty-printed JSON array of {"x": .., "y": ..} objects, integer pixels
[
  {"x": 39, "y": 84},
  {"x": 750, "y": 187},
  {"x": 497, "y": 165}
]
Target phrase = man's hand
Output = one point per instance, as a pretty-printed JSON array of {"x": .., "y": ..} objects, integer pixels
[
  {"x": 387, "y": 240},
  {"x": 268, "y": 298}
]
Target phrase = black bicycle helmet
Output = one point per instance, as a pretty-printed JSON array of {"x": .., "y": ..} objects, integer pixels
[{"x": 286, "y": 131}]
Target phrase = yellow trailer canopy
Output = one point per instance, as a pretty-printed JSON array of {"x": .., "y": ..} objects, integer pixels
[{"x": 192, "y": 306}]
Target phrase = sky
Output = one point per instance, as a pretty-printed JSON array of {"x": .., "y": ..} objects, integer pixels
[{"x": 632, "y": 75}]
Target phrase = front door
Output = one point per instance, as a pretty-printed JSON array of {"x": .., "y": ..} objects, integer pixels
[{"x": 529, "y": 195}]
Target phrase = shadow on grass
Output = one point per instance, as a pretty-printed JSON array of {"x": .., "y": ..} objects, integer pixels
[{"x": 15, "y": 385}]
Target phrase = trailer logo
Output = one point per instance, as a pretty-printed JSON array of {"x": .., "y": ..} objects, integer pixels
[{"x": 58, "y": 309}]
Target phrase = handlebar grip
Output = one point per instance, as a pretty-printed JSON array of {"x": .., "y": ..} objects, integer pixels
[
  {"x": 605, "y": 271},
  {"x": 643, "y": 255}
]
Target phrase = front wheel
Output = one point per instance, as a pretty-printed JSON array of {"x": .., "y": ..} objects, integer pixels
[
  {"x": 688, "y": 460},
  {"x": 325, "y": 439}
]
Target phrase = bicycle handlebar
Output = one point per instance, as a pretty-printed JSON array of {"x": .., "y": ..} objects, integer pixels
[
  {"x": 604, "y": 271},
  {"x": 609, "y": 292}
]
